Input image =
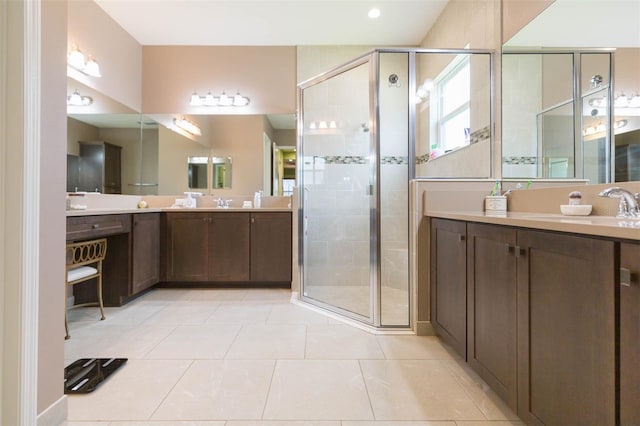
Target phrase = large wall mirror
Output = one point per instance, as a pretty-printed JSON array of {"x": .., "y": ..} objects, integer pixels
[
  {"x": 571, "y": 95},
  {"x": 151, "y": 152}
]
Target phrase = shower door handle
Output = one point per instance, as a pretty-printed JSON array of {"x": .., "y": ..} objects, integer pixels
[{"x": 369, "y": 189}]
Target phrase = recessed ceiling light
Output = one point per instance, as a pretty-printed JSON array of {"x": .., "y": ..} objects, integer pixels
[{"x": 374, "y": 13}]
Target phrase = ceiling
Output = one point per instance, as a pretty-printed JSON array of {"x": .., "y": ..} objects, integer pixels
[
  {"x": 274, "y": 23},
  {"x": 584, "y": 23}
]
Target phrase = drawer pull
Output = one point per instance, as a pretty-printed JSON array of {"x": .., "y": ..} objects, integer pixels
[
  {"x": 95, "y": 226},
  {"x": 627, "y": 278},
  {"x": 462, "y": 238}
]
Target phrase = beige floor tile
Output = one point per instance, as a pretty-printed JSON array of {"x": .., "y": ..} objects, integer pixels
[
  {"x": 219, "y": 390},
  {"x": 166, "y": 295},
  {"x": 196, "y": 342},
  {"x": 240, "y": 313},
  {"x": 317, "y": 390},
  {"x": 341, "y": 342},
  {"x": 256, "y": 341},
  {"x": 183, "y": 313},
  {"x": 70, "y": 423},
  {"x": 107, "y": 341},
  {"x": 132, "y": 393},
  {"x": 399, "y": 423},
  {"x": 169, "y": 423},
  {"x": 219, "y": 294},
  {"x": 416, "y": 390},
  {"x": 487, "y": 400},
  {"x": 268, "y": 295},
  {"x": 282, "y": 423},
  {"x": 292, "y": 314},
  {"x": 491, "y": 423},
  {"x": 133, "y": 314},
  {"x": 413, "y": 347}
]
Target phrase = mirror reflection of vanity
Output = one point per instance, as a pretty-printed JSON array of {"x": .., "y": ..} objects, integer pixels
[
  {"x": 154, "y": 155},
  {"x": 571, "y": 103}
]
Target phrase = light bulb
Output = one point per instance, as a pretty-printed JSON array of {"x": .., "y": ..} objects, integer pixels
[
  {"x": 92, "y": 68},
  {"x": 225, "y": 100},
  {"x": 196, "y": 100},
  {"x": 210, "y": 100},
  {"x": 76, "y": 58}
]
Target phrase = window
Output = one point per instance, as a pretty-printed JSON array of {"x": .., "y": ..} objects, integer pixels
[{"x": 453, "y": 119}]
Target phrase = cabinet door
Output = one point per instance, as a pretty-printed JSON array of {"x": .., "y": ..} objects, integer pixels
[
  {"x": 491, "y": 317},
  {"x": 566, "y": 330},
  {"x": 629, "y": 334},
  {"x": 229, "y": 247},
  {"x": 146, "y": 251},
  {"x": 271, "y": 247},
  {"x": 187, "y": 243},
  {"x": 449, "y": 282}
]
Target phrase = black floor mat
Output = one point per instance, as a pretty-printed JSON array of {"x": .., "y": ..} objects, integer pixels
[{"x": 84, "y": 375}]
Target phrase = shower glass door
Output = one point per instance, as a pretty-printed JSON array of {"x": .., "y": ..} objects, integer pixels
[{"x": 337, "y": 177}]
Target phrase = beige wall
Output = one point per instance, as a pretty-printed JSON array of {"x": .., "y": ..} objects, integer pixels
[
  {"x": 315, "y": 60},
  {"x": 119, "y": 54},
  {"x": 266, "y": 74},
  {"x": 79, "y": 131},
  {"x": 285, "y": 137},
  {"x": 518, "y": 13},
  {"x": 173, "y": 150}
]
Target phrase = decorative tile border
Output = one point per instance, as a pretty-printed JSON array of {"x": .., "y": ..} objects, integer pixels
[
  {"x": 346, "y": 159},
  {"x": 422, "y": 159},
  {"x": 480, "y": 135},
  {"x": 394, "y": 160},
  {"x": 520, "y": 160},
  {"x": 358, "y": 159}
]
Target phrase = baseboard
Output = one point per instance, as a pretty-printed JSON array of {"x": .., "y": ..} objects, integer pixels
[
  {"x": 424, "y": 328},
  {"x": 55, "y": 414}
]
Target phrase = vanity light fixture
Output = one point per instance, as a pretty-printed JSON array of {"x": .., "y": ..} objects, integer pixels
[
  {"x": 76, "y": 99},
  {"x": 187, "y": 126},
  {"x": 423, "y": 91},
  {"x": 621, "y": 101},
  {"x": 222, "y": 101},
  {"x": 76, "y": 60}
]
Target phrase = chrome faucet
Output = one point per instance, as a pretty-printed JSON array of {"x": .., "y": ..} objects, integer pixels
[{"x": 628, "y": 206}]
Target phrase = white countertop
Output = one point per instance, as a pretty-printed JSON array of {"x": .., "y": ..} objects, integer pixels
[{"x": 603, "y": 226}]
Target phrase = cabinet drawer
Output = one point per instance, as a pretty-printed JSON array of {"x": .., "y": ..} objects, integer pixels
[{"x": 86, "y": 227}]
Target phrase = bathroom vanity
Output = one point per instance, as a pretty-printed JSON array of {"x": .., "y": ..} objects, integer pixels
[
  {"x": 538, "y": 306},
  {"x": 182, "y": 247}
]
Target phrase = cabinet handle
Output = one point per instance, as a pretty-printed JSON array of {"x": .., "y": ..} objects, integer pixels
[
  {"x": 627, "y": 278},
  {"x": 508, "y": 249},
  {"x": 253, "y": 220},
  {"x": 462, "y": 238},
  {"x": 95, "y": 226},
  {"x": 520, "y": 251}
]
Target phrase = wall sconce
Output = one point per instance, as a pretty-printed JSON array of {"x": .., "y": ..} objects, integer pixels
[
  {"x": 222, "y": 101},
  {"x": 323, "y": 125},
  {"x": 621, "y": 101},
  {"x": 76, "y": 60},
  {"x": 187, "y": 126},
  {"x": 423, "y": 91},
  {"x": 76, "y": 99}
]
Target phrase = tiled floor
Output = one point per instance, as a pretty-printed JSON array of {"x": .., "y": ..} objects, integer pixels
[{"x": 248, "y": 357}]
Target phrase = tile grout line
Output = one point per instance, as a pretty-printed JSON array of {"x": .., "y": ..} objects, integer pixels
[
  {"x": 450, "y": 371},
  {"x": 266, "y": 398},
  {"x": 366, "y": 389},
  {"x": 172, "y": 387}
]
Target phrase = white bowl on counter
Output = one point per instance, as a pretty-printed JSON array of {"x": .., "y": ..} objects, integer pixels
[{"x": 576, "y": 209}]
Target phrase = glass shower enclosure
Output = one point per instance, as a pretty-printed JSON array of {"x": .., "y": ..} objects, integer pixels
[{"x": 356, "y": 157}]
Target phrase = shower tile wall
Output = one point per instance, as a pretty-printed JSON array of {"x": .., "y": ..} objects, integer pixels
[
  {"x": 336, "y": 181},
  {"x": 521, "y": 100},
  {"x": 394, "y": 185}
]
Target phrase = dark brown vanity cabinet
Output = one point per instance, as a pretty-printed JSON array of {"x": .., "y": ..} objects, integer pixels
[
  {"x": 629, "y": 334},
  {"x": 491, "y": 307},
  {"x": 271, "y": 247},
  {"x": 228, "y": 247},
  {"x": 145, "y": 251},
  {"x": 449, "y": 282},
  {"x": 540, "y": 312},
  {"x": 566, "y": 330},
  {"x": 187, "y": 247}
]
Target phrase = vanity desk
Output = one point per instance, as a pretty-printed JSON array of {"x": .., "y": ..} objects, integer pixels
[
  {"x": 545, "y": 308},
  {"x": 133, "y": 250}
]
